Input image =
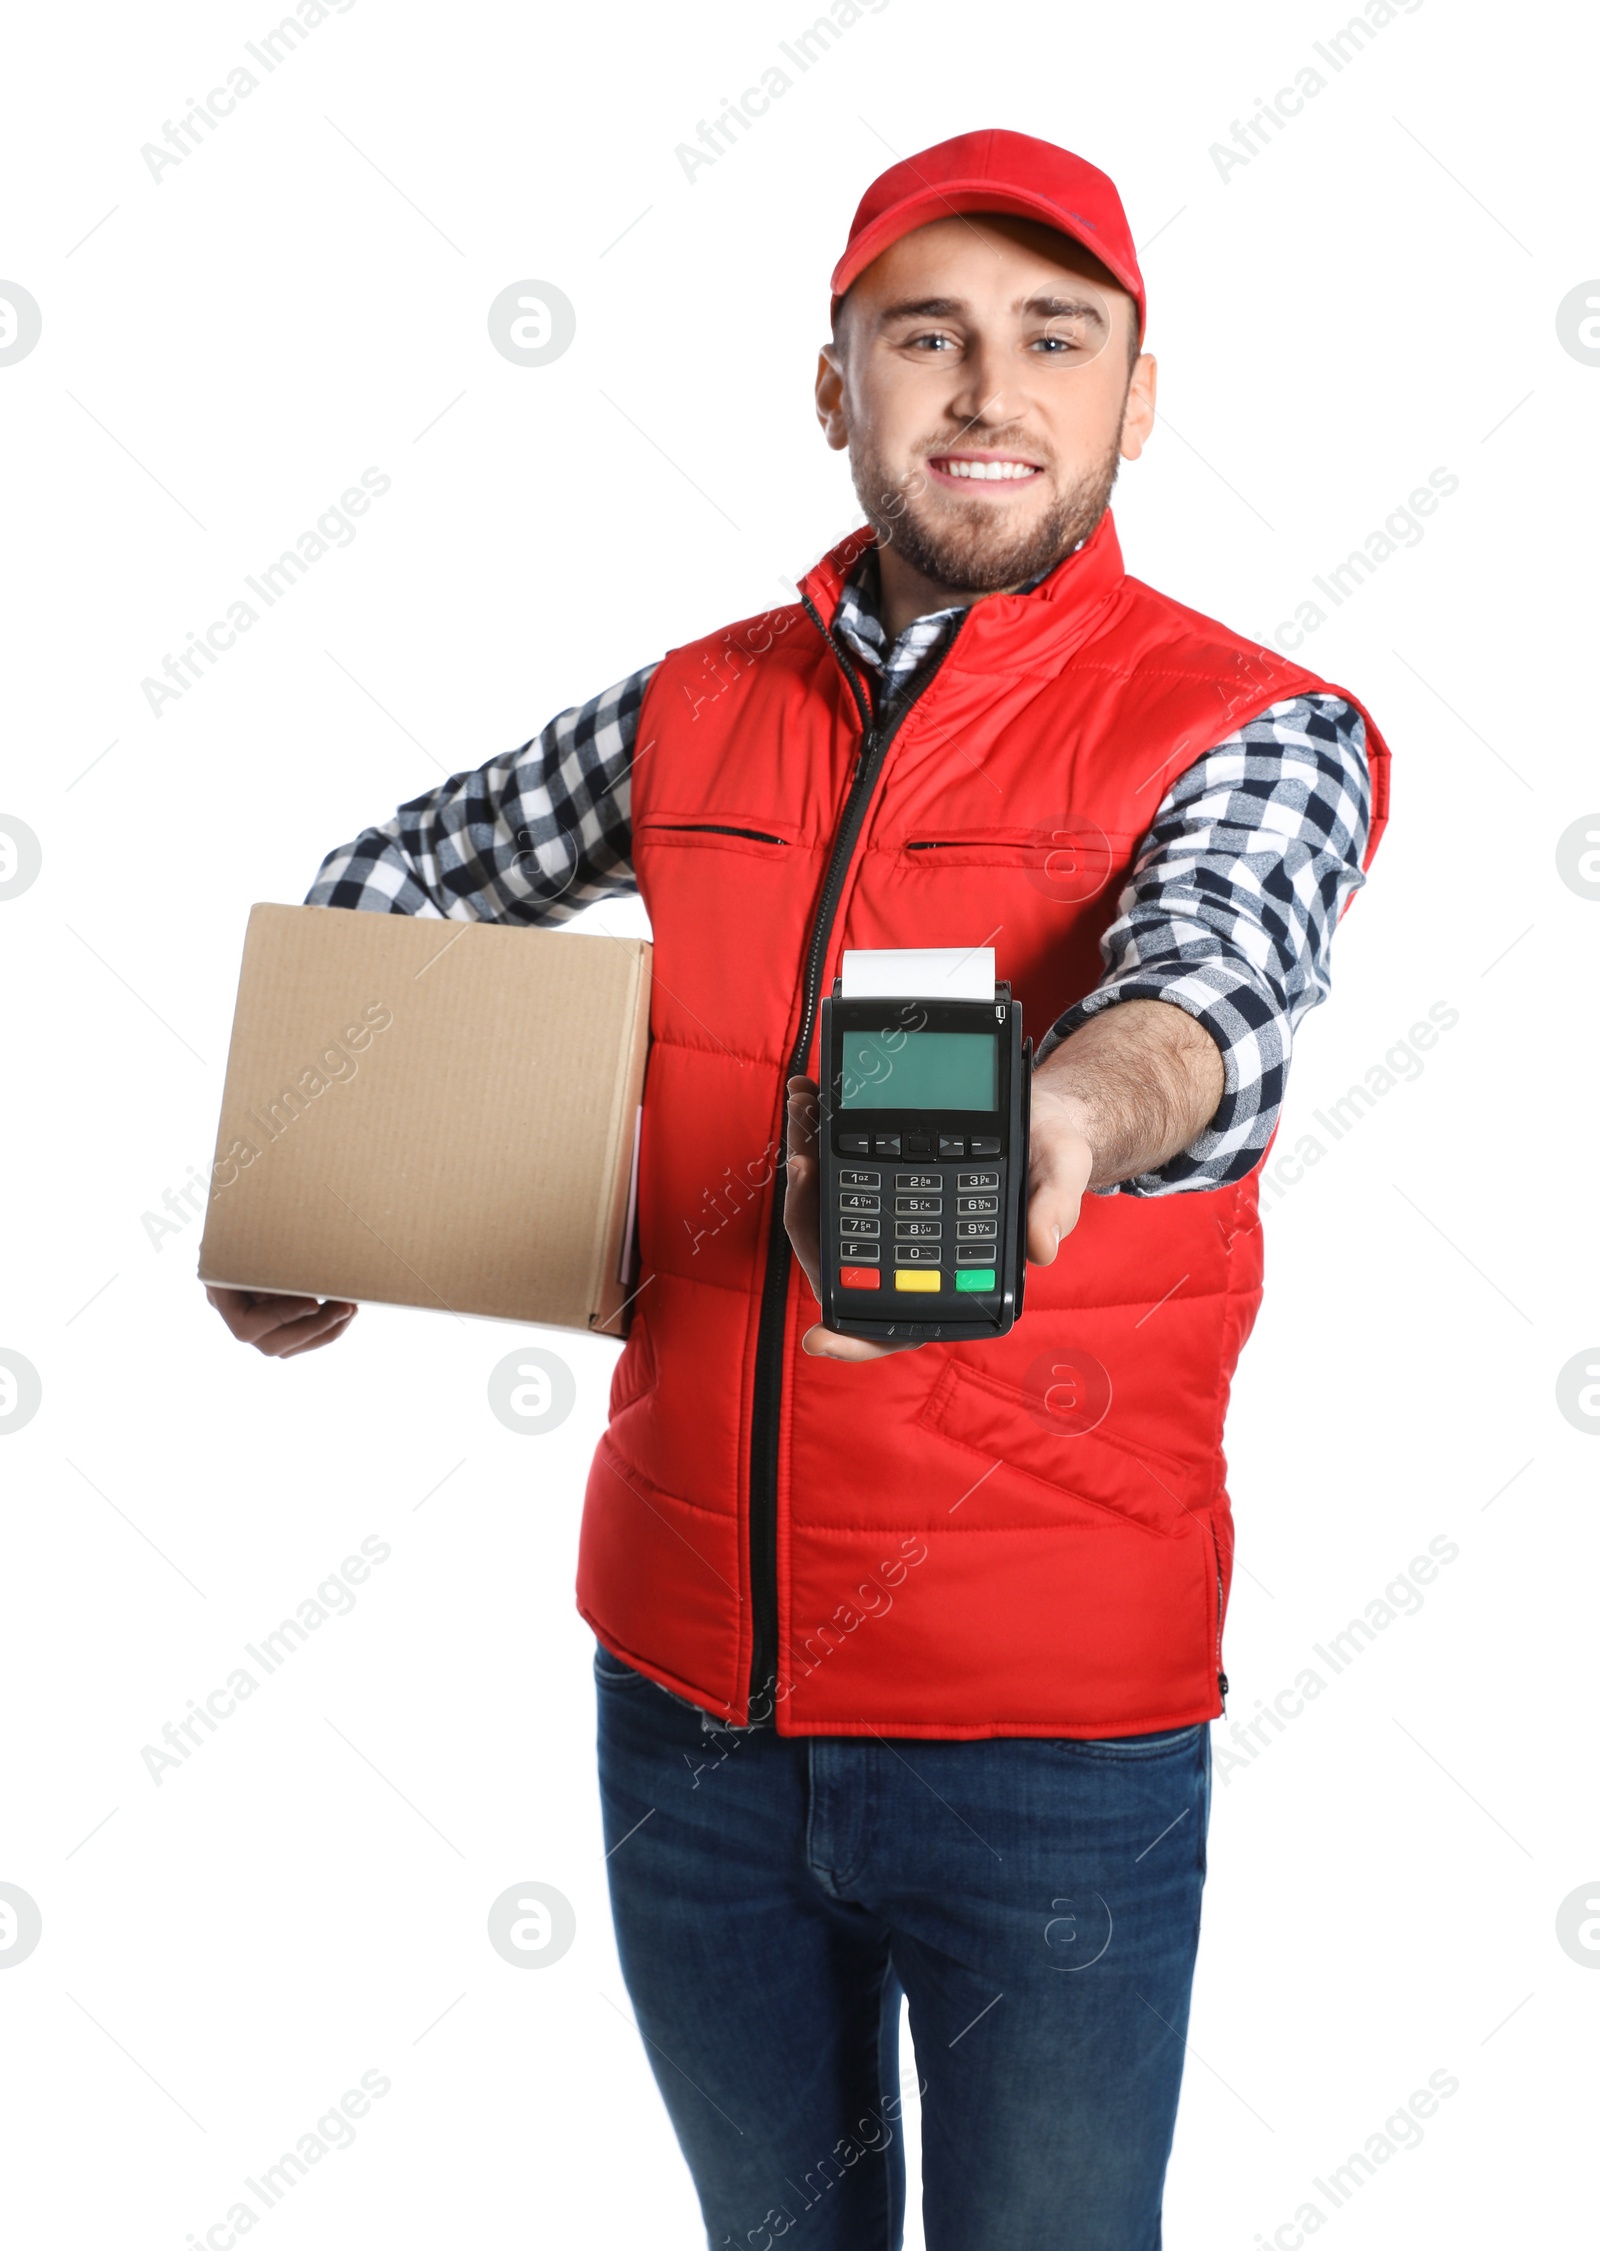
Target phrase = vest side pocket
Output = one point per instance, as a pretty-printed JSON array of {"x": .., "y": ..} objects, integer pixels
[{"x": 996, "y": 1420}]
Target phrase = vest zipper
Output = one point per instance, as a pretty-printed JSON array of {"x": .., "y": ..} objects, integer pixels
[
  {"x": 767, "y": 1397},
  {"x": 1222, "y": 1678}
]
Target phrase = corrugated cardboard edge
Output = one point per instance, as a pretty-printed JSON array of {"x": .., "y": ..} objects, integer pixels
[
  {"x": 608, "y": 1293},
  {"x": 206, "y": 1265}
]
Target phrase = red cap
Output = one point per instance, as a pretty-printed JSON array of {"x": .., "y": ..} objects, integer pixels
[{"x": 994, "y": 171}]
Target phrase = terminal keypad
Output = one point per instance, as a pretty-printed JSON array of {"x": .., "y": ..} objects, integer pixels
[{"x": 901, "y": 1219}]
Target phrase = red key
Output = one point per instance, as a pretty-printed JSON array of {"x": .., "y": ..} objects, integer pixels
[{"x": 858, "y": 1278}]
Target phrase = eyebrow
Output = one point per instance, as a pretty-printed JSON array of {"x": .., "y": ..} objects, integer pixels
[
  {"x": 1058, "y": 308},
  {"x": 924, "y": 308},
  {"x": 950, "y": 308}
]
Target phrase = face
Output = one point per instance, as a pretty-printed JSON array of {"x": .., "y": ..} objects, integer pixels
[{"x": 980, "y": 381}]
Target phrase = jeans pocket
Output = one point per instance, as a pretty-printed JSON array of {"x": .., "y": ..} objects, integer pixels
[
  {"x": 1132, "y": 1747},
  {"x": 613, "y": 1672}
]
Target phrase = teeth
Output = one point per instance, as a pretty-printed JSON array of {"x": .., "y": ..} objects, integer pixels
[{"x": 989, "y": 471}]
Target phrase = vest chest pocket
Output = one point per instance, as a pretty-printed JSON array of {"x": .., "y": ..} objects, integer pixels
[
  {"x": 1069, "y": 858},
  {"x": 754, "y": 834}
]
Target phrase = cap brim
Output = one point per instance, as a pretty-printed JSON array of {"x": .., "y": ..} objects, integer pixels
[{"x": 972, "y": 195}]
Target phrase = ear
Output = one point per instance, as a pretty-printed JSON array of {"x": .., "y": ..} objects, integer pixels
[
  {"x": 1139, "y": 408},
  {"x": 830, "y": 398}
]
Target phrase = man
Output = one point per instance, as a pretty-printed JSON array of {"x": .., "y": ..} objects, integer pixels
[{"x": 905, "y": 1672}]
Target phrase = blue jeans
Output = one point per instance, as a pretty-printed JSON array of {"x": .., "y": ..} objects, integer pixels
[{"x": 1039, "y": 1903}]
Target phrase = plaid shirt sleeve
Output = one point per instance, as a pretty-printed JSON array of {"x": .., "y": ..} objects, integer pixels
[
  {"x": 1230, "y": 914},
  {"x": 529, "y": 838}
]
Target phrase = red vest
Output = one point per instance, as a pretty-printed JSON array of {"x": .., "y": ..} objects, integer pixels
[{"x": 1028, "y": 1536}]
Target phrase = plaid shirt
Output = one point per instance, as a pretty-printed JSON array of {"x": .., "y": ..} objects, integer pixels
[{"x": 1228, "y": 913}]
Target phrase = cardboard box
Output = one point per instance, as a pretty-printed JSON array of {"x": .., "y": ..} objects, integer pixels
[{"x": 430, "y": 1113}]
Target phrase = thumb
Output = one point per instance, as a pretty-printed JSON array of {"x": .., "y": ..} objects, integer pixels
[{"x": 1059, "y": 1166}]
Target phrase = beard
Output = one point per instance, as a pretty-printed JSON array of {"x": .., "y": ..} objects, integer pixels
[{"x": 970, "y": 546}]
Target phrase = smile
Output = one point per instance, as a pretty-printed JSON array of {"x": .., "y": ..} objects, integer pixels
[{"x": 967, "y": 468}]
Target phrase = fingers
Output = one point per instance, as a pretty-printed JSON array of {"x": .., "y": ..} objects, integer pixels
[
  {"x": 800, "y": 1204},
  {"x": 325, "y": 1332},
  {"x": 250, "y": 1314},
  {"x": 805, "y": 1109},
  {"x": 802, "y": 1219},
  {"x": 826, "y": 1344},
  {"x": 280, "y": 1324}
]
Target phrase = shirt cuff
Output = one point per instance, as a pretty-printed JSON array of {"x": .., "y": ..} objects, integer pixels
[{"x": 1252, "y": 1035}]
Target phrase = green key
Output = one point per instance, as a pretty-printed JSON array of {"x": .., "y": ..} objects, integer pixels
[{"x": 975, "y": 1278}]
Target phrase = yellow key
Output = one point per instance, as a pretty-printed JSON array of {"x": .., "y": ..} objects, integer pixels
[{"x": 917, "y": 1278}]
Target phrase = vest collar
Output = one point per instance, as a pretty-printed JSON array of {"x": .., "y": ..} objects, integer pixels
[{"x": 1034, "y": 632}]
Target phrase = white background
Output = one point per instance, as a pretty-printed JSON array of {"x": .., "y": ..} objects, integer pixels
[{"x": 1371, "y": 297}]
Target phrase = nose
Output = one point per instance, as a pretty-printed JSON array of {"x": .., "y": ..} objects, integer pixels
[{"x": 979, "y": 398}]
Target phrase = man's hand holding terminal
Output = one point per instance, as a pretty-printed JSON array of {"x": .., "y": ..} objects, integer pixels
[{"x": 1125, "y": 1093}]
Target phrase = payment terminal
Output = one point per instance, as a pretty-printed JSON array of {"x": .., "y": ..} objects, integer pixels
[{"x": 923, "y": 1155}]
